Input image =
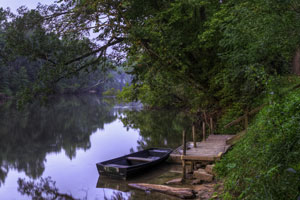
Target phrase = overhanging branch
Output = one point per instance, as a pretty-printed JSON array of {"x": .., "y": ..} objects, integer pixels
[{"x": 111, "y": 42}]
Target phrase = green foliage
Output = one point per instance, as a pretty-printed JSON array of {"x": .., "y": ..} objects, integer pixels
[
  {"x": 170, "y": 67},
  {"x": 231, "y": 113},
  {"x": 126, "y": 95},
  {"x": 111, "y": 92},
  {"x": 35, "y": 63},
  {"x": 256, "y": 41},
  {"x": 198, "y": 55},
  {"x": 205, "y": 55},
  {"x": 265, "y": 164}
]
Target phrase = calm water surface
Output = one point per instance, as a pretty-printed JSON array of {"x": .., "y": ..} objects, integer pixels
[{"x": 63, "y": 141}]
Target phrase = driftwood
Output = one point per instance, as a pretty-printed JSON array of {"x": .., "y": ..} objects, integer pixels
[
  {"x": 183, "y": 193},
  {"x": 176, "y": 181}
]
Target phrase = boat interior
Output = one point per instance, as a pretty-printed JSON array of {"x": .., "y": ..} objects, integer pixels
[{"x": 139, "y": 158}]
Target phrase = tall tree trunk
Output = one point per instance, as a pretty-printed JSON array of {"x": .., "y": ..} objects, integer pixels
[{"x": 296, "y": 63}]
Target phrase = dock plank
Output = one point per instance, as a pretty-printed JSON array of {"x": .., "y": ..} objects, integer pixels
[{"x": 209, "y": 150}]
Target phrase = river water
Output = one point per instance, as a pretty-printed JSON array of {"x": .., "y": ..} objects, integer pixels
[{"x": 55, "y": 147}]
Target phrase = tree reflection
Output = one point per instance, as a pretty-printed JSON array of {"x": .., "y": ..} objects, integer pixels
[
  {"x": 158, "y": 128},
  {"x": 65, "y": 124},
  {"x": 45, "y": 189},
  {"x": 117, "y": 196}
]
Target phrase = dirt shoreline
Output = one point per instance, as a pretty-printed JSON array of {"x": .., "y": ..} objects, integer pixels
[{"x": 203, "y": 190}]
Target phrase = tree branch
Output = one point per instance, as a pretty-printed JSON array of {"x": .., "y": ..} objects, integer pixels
[{"x": 103, "y": 48}]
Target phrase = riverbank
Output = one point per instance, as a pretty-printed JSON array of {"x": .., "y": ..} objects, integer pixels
[{"x": 166, "y": 183}]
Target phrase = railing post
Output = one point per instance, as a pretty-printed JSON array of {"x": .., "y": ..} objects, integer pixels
[
  {"x": 203, "y": 130},
  {"x": 184, "y": 142},
  {"x": 211, "y": 126},
  {"x": 194, "y": 135}
]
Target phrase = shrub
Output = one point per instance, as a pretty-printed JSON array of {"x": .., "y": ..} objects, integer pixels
[{"x": 265, "y": 164}]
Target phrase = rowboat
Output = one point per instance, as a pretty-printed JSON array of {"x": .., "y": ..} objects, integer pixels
[{"x": 133, "y": 164}]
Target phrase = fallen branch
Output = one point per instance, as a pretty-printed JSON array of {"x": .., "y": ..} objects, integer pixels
[{"x": 183, "y": 193}]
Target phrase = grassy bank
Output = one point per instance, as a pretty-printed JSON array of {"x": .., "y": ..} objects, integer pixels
[{"x": 265, "y": 164}]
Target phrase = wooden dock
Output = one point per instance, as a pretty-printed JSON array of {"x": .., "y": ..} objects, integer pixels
[{"x": 209, "y": 150}]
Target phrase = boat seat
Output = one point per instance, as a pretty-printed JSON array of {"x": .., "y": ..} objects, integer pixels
[
  {"x": 159, "y": 150},
  {"x": 116, "y": 165},
  {"x": 140, "y": 159}
]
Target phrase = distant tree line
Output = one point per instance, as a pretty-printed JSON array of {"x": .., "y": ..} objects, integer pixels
[{"x": 32, "y": 60}]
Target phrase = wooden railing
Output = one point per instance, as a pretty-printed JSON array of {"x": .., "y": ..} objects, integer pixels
[{"x": 245, "y": 117}]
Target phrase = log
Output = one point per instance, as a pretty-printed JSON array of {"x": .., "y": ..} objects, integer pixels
[{"x": 183, "y": 193}]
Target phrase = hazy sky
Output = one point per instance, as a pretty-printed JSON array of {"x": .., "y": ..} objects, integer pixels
[{"x": 14, "y": 4}]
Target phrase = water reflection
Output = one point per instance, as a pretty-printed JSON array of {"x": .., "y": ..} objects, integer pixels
[
  {"x": 157, "y": 176},
  {"x": 65, "y": 139},
  {"x": 158, "y": 128},
  {"x": 28, "y": 135},
  {"x": 44, "y": 189}
]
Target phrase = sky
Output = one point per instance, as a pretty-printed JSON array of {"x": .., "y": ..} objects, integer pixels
[
  {"x": 31, "y": 4},
  {"x": 14, "y": 4}
]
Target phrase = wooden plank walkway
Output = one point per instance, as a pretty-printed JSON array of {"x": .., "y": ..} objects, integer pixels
[{"x": 208, "y": 151}]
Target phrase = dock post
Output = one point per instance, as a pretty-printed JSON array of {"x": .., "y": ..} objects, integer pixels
[
  {"x": 183, "y": 154},
  {"x": 211, "y": 126},
  {"x": 194, "y": 135},
  {"x": 184, "y": 142},
  {"x": 203, "y": 130},
  {"x": 183, "y": 171}
]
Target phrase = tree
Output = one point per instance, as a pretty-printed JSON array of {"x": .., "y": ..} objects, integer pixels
[
  {"x": 158, "y": 38},
  {"x": 201, "y": 55},
  {"x": 50, "y": 62}
]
